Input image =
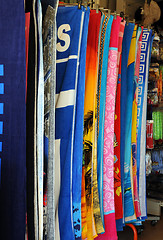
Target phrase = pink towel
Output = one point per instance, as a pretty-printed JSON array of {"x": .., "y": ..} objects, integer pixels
[{"x": 108, "y": 191}]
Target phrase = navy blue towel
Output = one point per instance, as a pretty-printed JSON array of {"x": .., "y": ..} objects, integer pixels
[{"x": 12, "y": 120}]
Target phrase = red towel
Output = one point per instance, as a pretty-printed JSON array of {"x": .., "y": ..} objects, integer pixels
[{"x": 117, "y": 127}]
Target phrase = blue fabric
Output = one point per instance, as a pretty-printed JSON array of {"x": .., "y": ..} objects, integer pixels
[
  {"x": 128, "y": 198},
  {"x": 1, "y": 69},
  {"x": 1, "y": 88},
  {"x": 0, "y": 172},
  {"x": 31, "y": 123},
  {"x": 141, "y": 85},
  {"x": 119, "y": 224},
  {"x": 157, "y": 159},
  {"x": 13, "y": 139},
  {"x": 69, "y": 24},
  {"x": 142, "y": 103},
  {"x": 1, "y": 108},
  {"x": 1, "y": 127},
  {"x": 100, "y": 140},
  {"x": 78, "y": 132},
  {"x": 0, "y": 146},
  {"x": 125, "y": 53}
]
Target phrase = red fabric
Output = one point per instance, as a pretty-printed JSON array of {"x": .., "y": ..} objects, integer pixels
[
  {"x": 117, "y": 167},
  {"x": 117, "y": 127},
  {"x": 110, "y": 227},
  {"x": 89, "y": 103},
  {"x": 108, "y": 180},
  {"x": 27, "y": 26}
]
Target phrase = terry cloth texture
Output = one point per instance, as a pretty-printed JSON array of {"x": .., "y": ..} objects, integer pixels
[
  {"x": 36, "y": 224},
  {"x": 134, "y": 122},
  {"x": 109, "y": 210},
  {"x": 69, "y": 30},
  {"x": 78, "y": 131},
  {"x": 96, "y": 202},
  {"x": 31, "y": 124},
  {"x": 142, "y": 104},
  {"x": 101, "y": 98},
  {"x": 52, "y": 169},
  {"x": 117, "y": 130},
  {"x": 129, "y": 211},
  {"x": 90, "y": 91},
  {"x": 27, "y": 27},
  {"x": 48, "y": 48},
  {"x": 13, "y": 121},
  {"x": 40, "y": 121},
  {"x": 125, "y": 53}
]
